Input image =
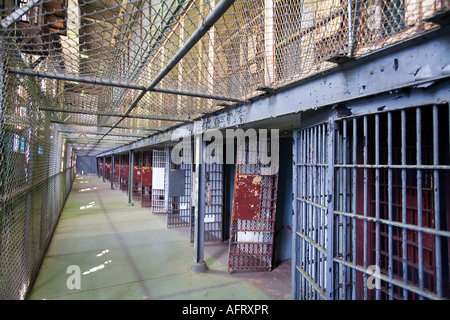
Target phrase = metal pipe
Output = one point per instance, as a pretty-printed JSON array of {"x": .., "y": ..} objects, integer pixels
[
  {"x": 404, "y": 209},
  {"x": 365, "y": 200},
  {"x": 112, "y": 172},
  {"x": 295, "y": 169},
  {"x": 377, "y": 199},
  {"x": 13, "y": 17},
  {"x": 354, "y": 190},
  {"x": 114, "y": 115},
  {"x": 76, "y": 79},
  {"x": 390, "y": 213},
  {"x": 330, "y": 209},
  {"x": 419, "y": 194},
  {"x": 122, "y": 85},
  {"x": 437, "y": 213},
  {"x": 130, "y": 176}
]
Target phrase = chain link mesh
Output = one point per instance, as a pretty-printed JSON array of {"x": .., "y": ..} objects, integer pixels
[{"x": 256, "y": 44}]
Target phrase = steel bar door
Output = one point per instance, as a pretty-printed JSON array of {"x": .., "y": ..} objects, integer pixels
[
  {"x": 179, "y": 210},
  {"x": 213, "y": 203},
  {"x": 160, "y": 180},
  {"x": 310, "y": 221},
  {"x": 253, "y": 215},
  {"x": 146, "y": 191}
]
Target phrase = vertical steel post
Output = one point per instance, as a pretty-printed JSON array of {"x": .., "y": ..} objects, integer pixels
[
  {"x": 112, "y": 172},
  {"x": 404, "y": 211},
  {"x": 330, "y": 211},
  {"x": 354, "y": 190},
  {"x": 104, "y": 168},
  {"x": 377, "y": 198},
  {"x": 130, "y": 176},
  {"x": 390, "y": 208},
  {"x": 199, "y": 206},
  {"x": 419, "y": 194},
  {"x": 437, "y": 213},
  {"x": 295, "y": 146},
  {"x": 365, "y": 199}
]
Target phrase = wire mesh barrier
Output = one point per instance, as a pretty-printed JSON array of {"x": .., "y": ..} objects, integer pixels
[
  {"x": 112, "y": 71},
  {"x": 36, "y": 173},
  {"x": 383, "y": 233}
]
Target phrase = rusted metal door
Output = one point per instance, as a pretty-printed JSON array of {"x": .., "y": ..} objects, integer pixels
[{"x": 253, "y": 215}]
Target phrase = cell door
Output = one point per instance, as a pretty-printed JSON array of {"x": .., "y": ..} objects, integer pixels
[
  {"x": 179, "y": 206},
  {"x": 213, "y": 200},
  {"x": 146, "y": 179},
  {"x": 160, "y": 176},
  {"x": 310, "y": 221},
  {"x": 253, "y": 214}
]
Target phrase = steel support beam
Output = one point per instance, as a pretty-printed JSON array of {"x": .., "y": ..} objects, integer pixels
[
  {"x": 130, "y": 177},
  {"x": 199, "y": 264},
  {"x": 104, "y": 168},
  {"x": 112, "y": 172}
]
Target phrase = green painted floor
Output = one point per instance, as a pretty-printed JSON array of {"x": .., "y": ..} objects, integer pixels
[{"x": 126, "y": 252}]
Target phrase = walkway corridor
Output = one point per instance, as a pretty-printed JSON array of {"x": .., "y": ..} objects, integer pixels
[{"x": 127, "y": 252}]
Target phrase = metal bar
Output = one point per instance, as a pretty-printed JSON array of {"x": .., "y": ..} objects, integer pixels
[
  {"x": 330, "y": 210},
  {"x": 112, "y": 172},
  {"x": 104, "y": 168},
  {"x": 377, "y": 199},
  {"x": 114, "y": 115},
  {"x": 393, "y": 166},
  {"x": 354, "y": 190},
  {"x": 13, "y": 17},
  {"x": 130, "y": 176},
  {"x": 76, "y": 79},
  {"x": 72, "y": 123},
  {"x": 123, "y": 85},
  {"x": 302, "y": 261},
  {"x": 390, "y": 217},
  {"x": 437, "y": 212},
  {"x": 402, "y": 225},
  {"x": 295, "y": 170},
  {"x": 199, "y": 95},
  {"x": 398, "y": 283},
  {"x": 100, "y": 133},
  {"x": 199, "y": 189},
  {"x": 345, "y": 207},
  {"x": 404, "y": 212},
  {"x": 365, "y": 242},
  {"x": 210, "y": 20},
  {"x": 419, "y": 193}
]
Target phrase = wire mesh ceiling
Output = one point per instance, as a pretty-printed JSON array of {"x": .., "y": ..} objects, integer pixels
[{"x": 111, "y": 71}]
